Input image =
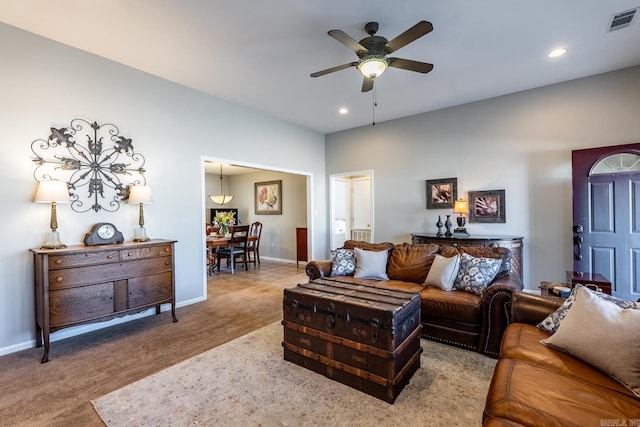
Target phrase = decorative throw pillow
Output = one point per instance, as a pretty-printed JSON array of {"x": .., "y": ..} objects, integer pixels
[
  {"x": 343, "y": 262},
  {"x": 443, "y": 272},
  {"x": 475, "y": 274},
  {"x": 371, "y": 264},
  {"x": 603, "y": 335},
  {"x": 551, "y": 322}
]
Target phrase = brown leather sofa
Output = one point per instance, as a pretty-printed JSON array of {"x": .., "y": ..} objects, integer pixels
[
  {"x": 535, "y": 385},
  {"x": 453, "y": 317}
]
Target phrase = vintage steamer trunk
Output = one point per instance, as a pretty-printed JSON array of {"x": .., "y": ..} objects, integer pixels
[{"x": 362, "y": 336}]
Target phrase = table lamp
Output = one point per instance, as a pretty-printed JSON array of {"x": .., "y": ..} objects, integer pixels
[
  {"x": 141, "y": 195},
  {"x": 461, "y": 207},
  {"x": 52, "y": 191}
]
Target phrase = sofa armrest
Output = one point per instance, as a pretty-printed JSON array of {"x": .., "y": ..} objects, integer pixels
[
  {"x": 496, "y": 312},
  {"x": 318, "y": 269},
  {"x": 532, "y": 309},
  {"x": 496, "y": 316}
]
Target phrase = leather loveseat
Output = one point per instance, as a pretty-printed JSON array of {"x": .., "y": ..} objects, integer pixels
[
  {"x": 453, "y": 317},
  {"x": 536, "y": 385}
]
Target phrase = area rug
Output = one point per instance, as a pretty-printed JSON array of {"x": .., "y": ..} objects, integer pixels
[{"x": 246, "y": 382}]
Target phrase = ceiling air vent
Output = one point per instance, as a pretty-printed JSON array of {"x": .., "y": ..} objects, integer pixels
[{"x": 622, "y": 20}]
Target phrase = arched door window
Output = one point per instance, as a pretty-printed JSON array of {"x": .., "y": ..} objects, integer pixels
[{"x": 617, "y": 163}]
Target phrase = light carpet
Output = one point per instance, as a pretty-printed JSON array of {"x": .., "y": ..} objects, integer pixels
[{"x": 246, "y": 382}]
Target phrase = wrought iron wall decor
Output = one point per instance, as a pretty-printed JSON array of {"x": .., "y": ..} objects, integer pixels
[{"x": 97, "y": 172}]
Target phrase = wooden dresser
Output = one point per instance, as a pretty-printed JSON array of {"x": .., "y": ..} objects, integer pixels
[
  {"x": 85, "y": 284},
  {"x": 510, "y": 242}
]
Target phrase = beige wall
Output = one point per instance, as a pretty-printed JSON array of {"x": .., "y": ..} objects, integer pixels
[
  {"x": 278, "y": 240},
  {"x": 520, "y": 142}
]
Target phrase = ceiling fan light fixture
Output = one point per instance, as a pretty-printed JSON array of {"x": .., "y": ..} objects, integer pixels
[{"x": 372, "y": 66}]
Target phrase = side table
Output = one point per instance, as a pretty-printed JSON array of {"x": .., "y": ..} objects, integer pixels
[
  {"x": 545, "y": 290},
  {"x": 583, "y": 278}
]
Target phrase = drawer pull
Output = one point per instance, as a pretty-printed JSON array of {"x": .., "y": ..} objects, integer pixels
[
  {"x": 58, "y": 279},
  {"x": 166, "y": 249},
  {"x": 58, "y": 261},
  {"x": 130, "y": 254},
  {"x": 109, "y": 256},
  {"x": 166, "y": 263}
]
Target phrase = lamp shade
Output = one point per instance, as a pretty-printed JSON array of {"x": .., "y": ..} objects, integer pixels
[
  {"x": 221, "y": 199},
  {"x": 372, "y": 67},
  {"x": 140, "y": 194},
  {"x": 461, "y": 206},
  {"x": 52, "y": 191}
]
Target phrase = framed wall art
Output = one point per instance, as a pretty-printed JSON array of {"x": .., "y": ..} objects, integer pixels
[
  {"x": 487, "y": 206},
  {"x": 441, "y": 193},
  {"x": 268, "y": 197}
]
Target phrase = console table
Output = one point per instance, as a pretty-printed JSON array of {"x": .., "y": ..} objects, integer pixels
[
  {"x": 511, "y": 242},
  {"x": 85, "y": 284}
]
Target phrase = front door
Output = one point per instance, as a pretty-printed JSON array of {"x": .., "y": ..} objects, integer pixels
[{"x": 606, "y": 215}]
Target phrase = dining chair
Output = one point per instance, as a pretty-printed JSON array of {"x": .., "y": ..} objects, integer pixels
[
  {"x": 237, "y": 247},
  {"x": 254, "y": 245}
]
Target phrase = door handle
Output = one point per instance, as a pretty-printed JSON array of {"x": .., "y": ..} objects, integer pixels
[{"x": 577, "y": 250}]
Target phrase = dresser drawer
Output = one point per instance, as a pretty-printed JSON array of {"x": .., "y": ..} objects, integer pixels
[
  {"x": 80, "y": 259},
  {"x": 145, "y": 252},
  {"x": 72, "y": 277},
  {"x": 68, "y": 306},
  {"x": 147, "y": 290}
]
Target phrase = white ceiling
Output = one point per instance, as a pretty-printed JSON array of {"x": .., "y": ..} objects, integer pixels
[{"x": 260, "y": 53}]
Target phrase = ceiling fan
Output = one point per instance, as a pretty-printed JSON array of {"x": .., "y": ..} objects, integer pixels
[{"x": 373, "y": 51}]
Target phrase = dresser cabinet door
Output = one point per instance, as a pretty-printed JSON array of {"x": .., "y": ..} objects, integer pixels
[
  {"x": 68, "y": 306},
  {"x": 150, "y": 289}
]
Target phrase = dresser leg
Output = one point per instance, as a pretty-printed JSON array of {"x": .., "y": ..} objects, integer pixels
[
  {"x": 45, "y": 356},
  {"x": 173, "y": 312}
]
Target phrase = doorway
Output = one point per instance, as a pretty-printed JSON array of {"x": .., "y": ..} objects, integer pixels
[
  {"x": 351, "y": 207},
  {"x": 606, "y": 215},
  {"x": 278, "y": 240}
]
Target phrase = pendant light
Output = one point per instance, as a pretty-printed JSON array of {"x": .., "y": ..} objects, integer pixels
[{"x": 221, "y": 198}]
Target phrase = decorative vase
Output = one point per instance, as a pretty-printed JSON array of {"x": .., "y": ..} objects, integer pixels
[
  {"x": 439, "y": 225},
  {"x": 224, "y": 230},
  {"x": 448, "y": 225}
]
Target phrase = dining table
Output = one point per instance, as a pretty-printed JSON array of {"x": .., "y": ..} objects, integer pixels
[{"x": 214, "y": 241}]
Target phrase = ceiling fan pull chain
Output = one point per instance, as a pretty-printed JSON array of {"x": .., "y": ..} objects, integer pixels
[{"x": 375, "y": 104}]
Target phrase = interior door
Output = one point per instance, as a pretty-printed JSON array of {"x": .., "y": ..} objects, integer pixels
[{"x": 606, "y": 215}]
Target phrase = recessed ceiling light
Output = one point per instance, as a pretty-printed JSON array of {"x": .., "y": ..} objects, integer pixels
[
  {"x": 557, "y": 52},
  {"x": 343, "y": 110}
]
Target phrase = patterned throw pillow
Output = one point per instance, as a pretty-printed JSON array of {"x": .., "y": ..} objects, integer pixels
[
  {"x": 343, "y": 262},
  {"x": 475, "y": 274},
  {"x": 551, "y": 322}
]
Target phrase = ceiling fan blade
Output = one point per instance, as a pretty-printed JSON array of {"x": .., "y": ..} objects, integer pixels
[
  {"x": 367, "y": 84},
  {"x": 333, "y": 69},
  {"x": 413, "y": 33},
  {"x": 410, "y": 65},
  {"x": 346, "y": 40}
]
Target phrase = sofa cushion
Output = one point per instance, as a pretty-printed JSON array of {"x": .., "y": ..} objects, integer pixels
[
  {"x": 533, "y": 395},
  {"x": 552, "y": 322},
  {"x": 443, "y": 272},
  {"x": 352, "y": 244},
  {"x": 475, "y": 274},
  {"x": 371, "y": 264},
  {"x": 454, "y": 305},
  {"x": 410, "y": 262},
  {"x": 343, "y": 262},
  {"x": 503, "y": 254},
  {"x": 603, "y": 335},
  {"x": 521, "y": 341}
]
